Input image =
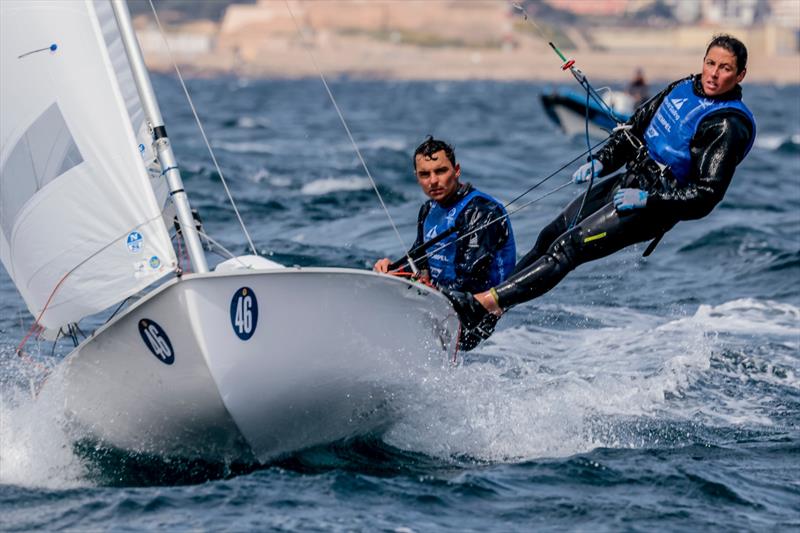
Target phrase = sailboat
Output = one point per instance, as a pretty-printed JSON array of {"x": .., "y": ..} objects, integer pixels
[
  {"x": 250, "y": 360},
  {"x": 568, "y": 110}
]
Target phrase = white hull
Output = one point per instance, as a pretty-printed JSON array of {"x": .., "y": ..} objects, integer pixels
[{"x": 318, "y": 361}]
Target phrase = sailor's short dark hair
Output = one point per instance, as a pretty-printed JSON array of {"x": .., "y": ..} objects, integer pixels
[
  {"x": 430, "y": 146},
  {"x": 732, "y": 45}
]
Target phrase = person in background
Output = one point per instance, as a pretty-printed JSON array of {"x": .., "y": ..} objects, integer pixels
[
  {"x": 479, "y": 253},
  {"x": 680, "y": 154},
  {"x": 638, "y": 88}
]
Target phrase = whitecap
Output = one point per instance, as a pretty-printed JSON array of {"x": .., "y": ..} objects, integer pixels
[
  {"x": 532, "y": 391},
  {"x": 246, "y": 147},
  {"x": 263, "y": 175},
  {"x": 772, "y": 141},
  {"x": 376, "y": 143},
  {"x": 248, "y": 122},
  {"x": 746, "y": 316},
  {"x": 329, "y": 185},
  {"x": 280, "y": 181}
]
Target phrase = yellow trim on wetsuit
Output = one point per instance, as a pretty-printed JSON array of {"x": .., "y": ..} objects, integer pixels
[{"x": 595, "y": 237}]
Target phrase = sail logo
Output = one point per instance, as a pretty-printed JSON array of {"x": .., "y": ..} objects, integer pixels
[
  {"x": 134, "y": 242},
  {"x": 157, "y": 341},
  {"x": 244, "y": 313},
  {"x": 678, "y": 102},
  {"x": 155, "y": 262}
]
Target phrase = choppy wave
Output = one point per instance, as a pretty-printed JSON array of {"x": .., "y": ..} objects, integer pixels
[
  {"x": 778, "y": 142},
  {"x": 248, "y": 122},
  {"x": 246, "y": 147},
  {"x": 555, "y": 393},
  {"x": 263, "y": 175},
  {"x": 329, "y": 185},
  {"x": 664, "y": 388},
  {"x": 528, "y": 393}
]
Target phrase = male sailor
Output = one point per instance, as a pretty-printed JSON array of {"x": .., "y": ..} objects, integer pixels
[
  {"x": 480, "y": 252},
  {"x": 680, "y": 153}
]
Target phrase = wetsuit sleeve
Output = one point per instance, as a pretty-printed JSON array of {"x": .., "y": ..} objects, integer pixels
[
  {"x": 619, "y": 149},
  {"x": 419, "y": 259},
  {"x": 718, "y": 146},
  {"x": 474, "y": 254}
]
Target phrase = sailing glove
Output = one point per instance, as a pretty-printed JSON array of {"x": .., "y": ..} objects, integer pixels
[
  {"x": 585, "y": 171},
  {"x": 630, "y": 199}
]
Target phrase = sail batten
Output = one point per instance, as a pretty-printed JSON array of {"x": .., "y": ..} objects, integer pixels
[{"x": 76, "y": 200}]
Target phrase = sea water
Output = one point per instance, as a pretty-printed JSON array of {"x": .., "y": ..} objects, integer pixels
[{"x": 639, "y": 394}]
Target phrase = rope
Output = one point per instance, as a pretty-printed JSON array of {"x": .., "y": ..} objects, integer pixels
[
  {"x": 70, "y": 272},
  {"x": 580, "y": 77},
  {"x": 349, "y": 135},
  {"x": 497, "y": 219},
  {"x": 203, "y": 132},
  {"x": 518, "y": 197},
  {"x": 402, "y": 274},
  {"x": 591, "y": 169},
  {"x": 218, "y": 245},
  {"x": 583, "y": 81},
  {"x": 560, "y": 169},
  {"x": 227, "y": 252}
]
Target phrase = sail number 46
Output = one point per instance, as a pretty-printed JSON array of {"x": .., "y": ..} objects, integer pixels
[
  {"x": 244, "y": 313},
  {"x": 156, "y": 340}
]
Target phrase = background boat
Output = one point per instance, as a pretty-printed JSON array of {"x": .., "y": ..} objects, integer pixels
[{"x": 568, "y": 110}]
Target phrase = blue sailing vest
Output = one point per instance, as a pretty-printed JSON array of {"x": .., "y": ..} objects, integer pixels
[
  {"x": 443, "y": 254},
  {"x": 673, "y": 126}
]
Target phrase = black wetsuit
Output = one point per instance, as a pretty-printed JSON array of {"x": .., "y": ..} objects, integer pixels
[
  {"x": 718, "y": 146},
  {"x": 474, "y": 255}
]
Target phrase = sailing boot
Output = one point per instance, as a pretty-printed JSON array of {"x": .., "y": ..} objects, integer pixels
[{"x": 477, "y": 324}]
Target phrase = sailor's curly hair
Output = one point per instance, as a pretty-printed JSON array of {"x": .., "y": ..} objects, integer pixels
[
  {"x": 732, "y": 45},
  {"x": 430, "y": 146}
]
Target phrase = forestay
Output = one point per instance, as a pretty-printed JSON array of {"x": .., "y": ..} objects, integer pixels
[{"x": 80, "y": 223}]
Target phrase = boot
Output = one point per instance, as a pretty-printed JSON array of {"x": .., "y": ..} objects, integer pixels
[{"x": 477, "y": 324}]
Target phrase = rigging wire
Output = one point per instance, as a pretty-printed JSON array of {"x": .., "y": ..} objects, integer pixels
[
  {"x": 221, "y": 247},
  {"x": 36, "y": 327},
  {"x": 514, "y": 200},
  {"x": 591, "y": 168},
  {"x": 591, "y": 92},
  {"x": 203, "y": 132},
  {"x": 349, "y": 134}
]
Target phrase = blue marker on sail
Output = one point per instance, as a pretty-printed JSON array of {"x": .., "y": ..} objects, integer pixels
[
  {"x": 53, "y": 47},
  {"x": 135, "y": 241}
]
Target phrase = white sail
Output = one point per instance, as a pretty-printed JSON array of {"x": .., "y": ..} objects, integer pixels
[{"x": 80, "y": 225}]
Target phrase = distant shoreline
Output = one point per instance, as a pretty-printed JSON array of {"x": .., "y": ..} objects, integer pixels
[{"x": 361, "y": 59}]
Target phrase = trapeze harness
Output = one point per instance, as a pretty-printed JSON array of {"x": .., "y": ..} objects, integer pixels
[
  {"x": 442, "y": 261},
  {"x": 675, "y": 123}
]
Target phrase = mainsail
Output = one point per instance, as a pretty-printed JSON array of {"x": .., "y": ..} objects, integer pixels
[{"x": 80, "y": 224}]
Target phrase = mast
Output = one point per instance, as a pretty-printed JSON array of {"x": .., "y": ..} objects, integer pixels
[{"x": 166, "y": 158}]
